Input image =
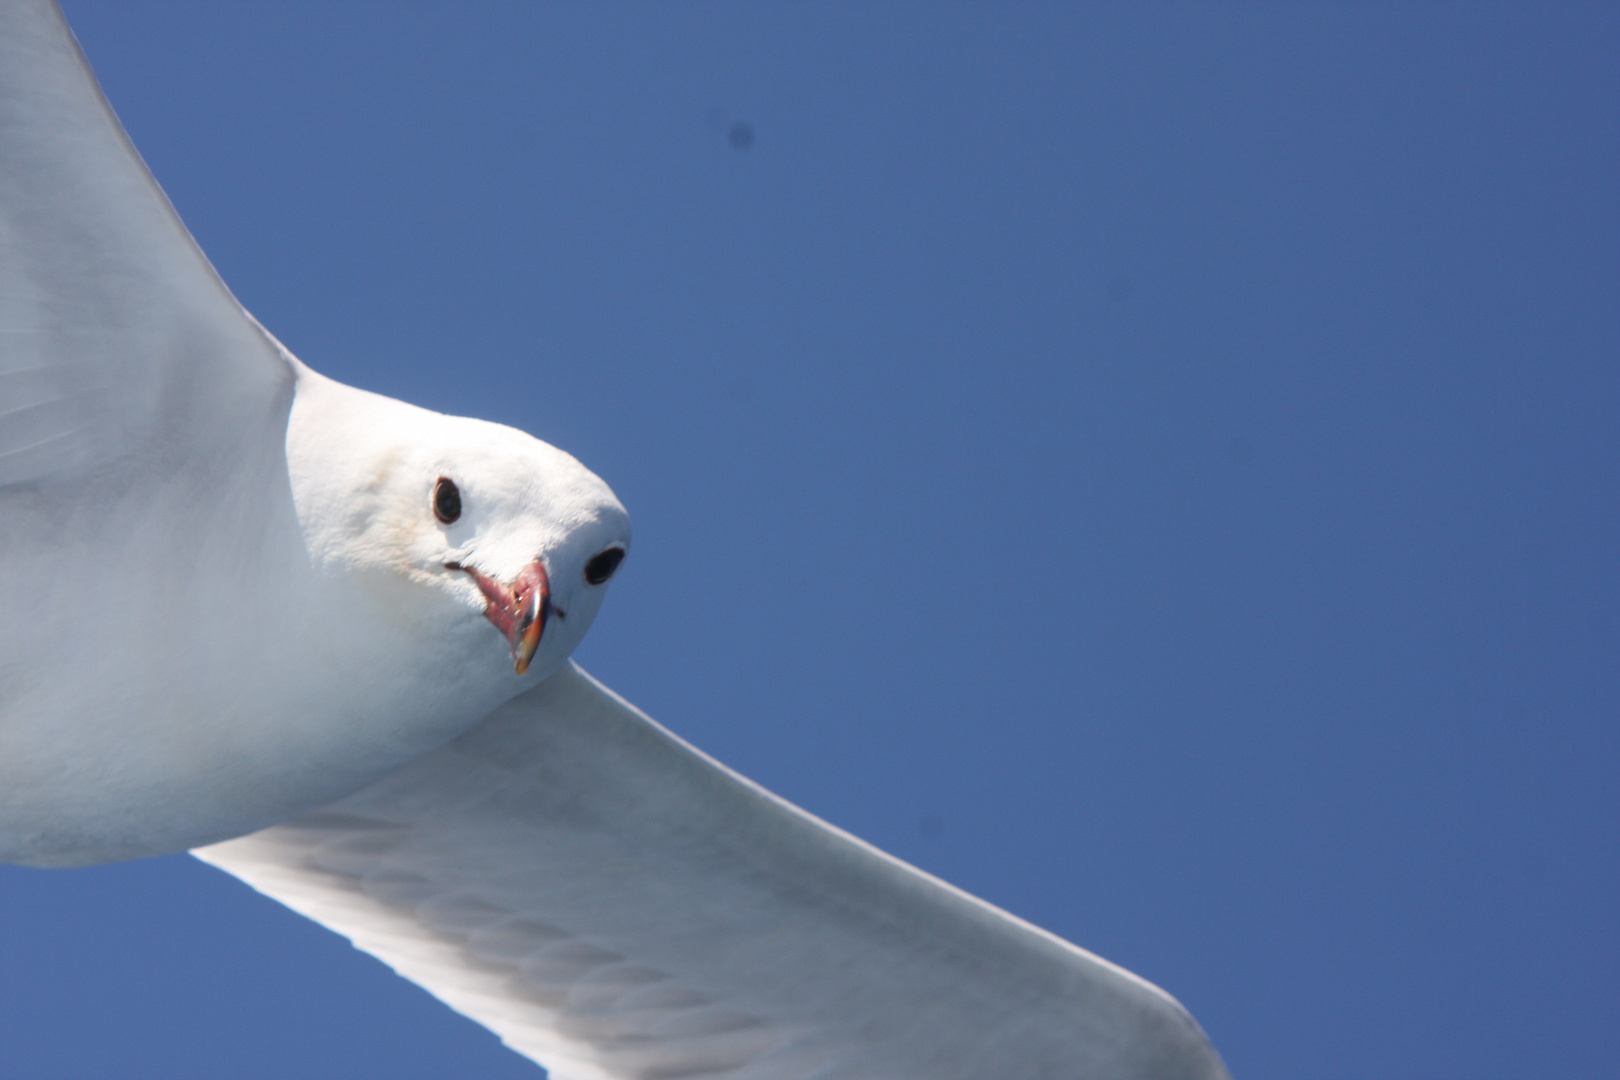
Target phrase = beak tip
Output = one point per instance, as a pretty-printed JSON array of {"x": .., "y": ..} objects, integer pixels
[{"x": 524, "y": 648}]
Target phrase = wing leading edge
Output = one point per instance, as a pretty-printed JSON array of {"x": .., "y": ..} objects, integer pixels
[
  {"x": 118, "y": 342},
  {"x": 616, "y": 905}
]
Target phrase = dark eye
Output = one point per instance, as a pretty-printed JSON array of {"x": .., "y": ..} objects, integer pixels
[
  {"x": 602, "y": 565},
  {"x": 447, "y": 501}
]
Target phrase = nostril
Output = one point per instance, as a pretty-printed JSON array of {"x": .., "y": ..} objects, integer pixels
[{"x": 602, "y": 565}]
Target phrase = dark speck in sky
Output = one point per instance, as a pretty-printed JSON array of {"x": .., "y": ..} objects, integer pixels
[{"x": 741, "y": 135}]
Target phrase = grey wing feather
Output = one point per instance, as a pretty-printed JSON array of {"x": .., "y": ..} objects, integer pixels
[
  {"x": 143, "y": 467},
  {"x": 119, "y": 345},
  {"x": 616, "y": 905}
]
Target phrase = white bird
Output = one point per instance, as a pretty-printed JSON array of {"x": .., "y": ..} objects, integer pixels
[{"x": 322, "y": 637}]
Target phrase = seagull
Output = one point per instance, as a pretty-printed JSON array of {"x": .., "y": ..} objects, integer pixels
[{"x": 321, "y": 638}]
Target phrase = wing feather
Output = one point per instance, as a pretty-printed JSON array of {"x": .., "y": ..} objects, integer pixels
[
  {"x": 616, "y": 905},
  {"x": 118, "y": 342},
  {"x": 144, "y": 488}
]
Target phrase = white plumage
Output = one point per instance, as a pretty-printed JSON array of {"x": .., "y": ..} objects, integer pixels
[{"x": 307, "y": 658}]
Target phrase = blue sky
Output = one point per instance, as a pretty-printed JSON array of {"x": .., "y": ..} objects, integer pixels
[{"x": 1154, "y": 467}]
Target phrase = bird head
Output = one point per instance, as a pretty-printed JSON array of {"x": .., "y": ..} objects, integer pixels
[{"x": 442, "y": 517}]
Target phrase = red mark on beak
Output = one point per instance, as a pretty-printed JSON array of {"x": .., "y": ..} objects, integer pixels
[{"x": 518, "y": 611}]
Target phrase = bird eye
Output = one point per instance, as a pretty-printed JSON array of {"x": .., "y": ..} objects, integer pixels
[
  {"x": 447, "y": 501},
  {"x": 602, "y": 565}
]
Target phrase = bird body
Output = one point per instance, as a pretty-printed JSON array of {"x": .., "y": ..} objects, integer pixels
[
  {"x": 323, "y": 637},
  {"x": 282, "y": 656}
]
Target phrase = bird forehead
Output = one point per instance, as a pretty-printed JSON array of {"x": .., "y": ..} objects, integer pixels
[
  {"x": 519, "y": 491},
  {"x": 523, "y": 481}
]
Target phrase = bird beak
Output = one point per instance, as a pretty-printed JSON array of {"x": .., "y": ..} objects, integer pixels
[
  {"x": 534, "y": 604},
  {"x": 518, "y": 610}
]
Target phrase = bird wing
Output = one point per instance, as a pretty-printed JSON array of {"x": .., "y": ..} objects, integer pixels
[
  {"x": 615, "y": 904},
  {"x": 146, "y": 517},
  {"x": 121, "y": 351}
]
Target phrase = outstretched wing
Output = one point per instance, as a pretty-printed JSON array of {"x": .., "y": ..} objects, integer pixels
[
  {"x": 144, "y": 492},
  {"x": 120, "y": 349},
  {"x": 614, "y": 904}
]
